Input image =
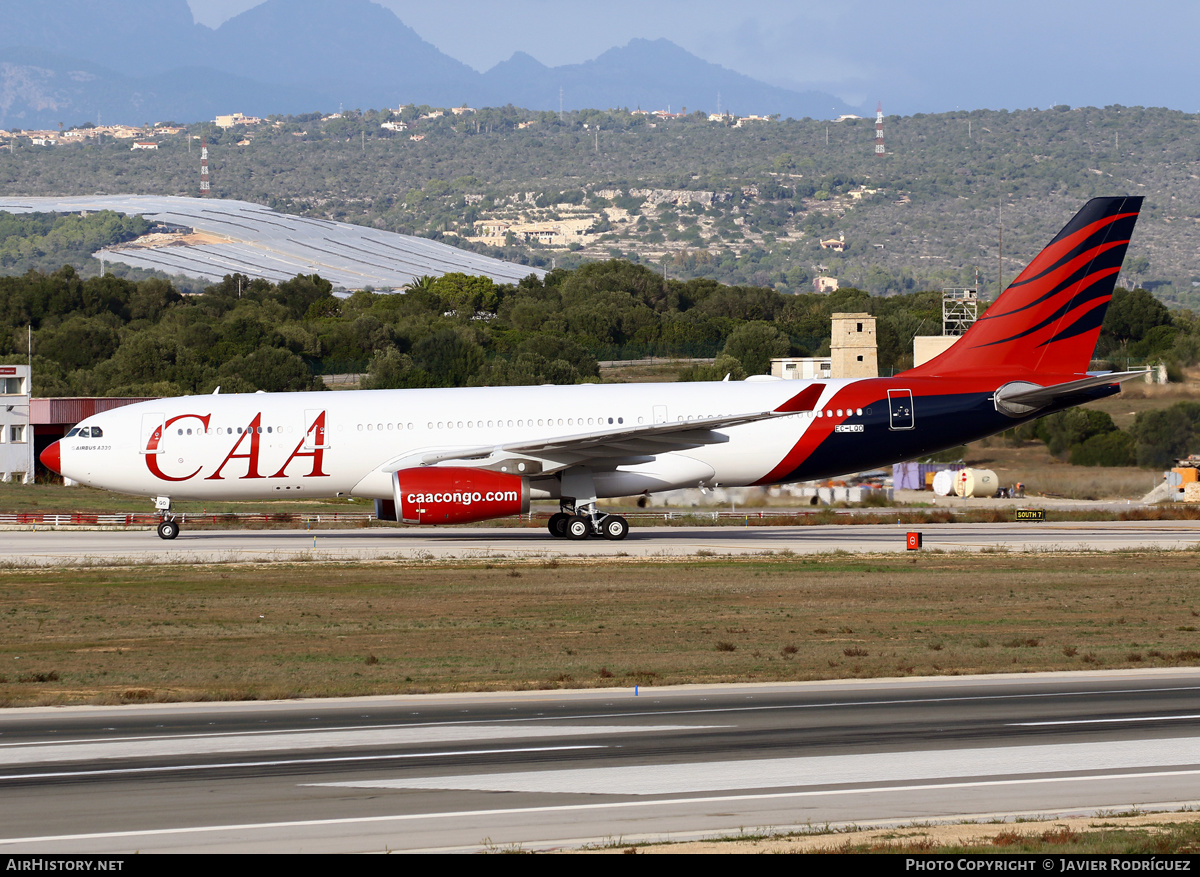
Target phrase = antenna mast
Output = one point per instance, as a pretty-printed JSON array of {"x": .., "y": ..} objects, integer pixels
[
  {"x": 879, "y": 130},
  {"x": 204, "y": 166}
]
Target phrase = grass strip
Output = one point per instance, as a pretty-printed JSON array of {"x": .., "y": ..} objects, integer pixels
[{"x": 176, "y": 633}]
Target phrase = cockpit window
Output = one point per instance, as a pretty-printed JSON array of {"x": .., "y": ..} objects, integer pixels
[
  {"x": 97, "y": 432},
  {"x": 85, "y": 433},
  {"x": 73, "y": 432}
]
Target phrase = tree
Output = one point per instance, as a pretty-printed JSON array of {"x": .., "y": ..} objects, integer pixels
[
  {"x": 1132, "y": 314},
  {"x": 1065, "y": 429},
  {"x": 722, "y": 366},
  {"x": 79, "y": 342},
  {"x": 755, "y": 344},
  {"x": 271, "y": 369},
  {"x": 450, "y": 358},
  {"x": 466, "y": 294},
  {"x": 1167, "y": 434},
  {"x": 393, "y": 370},
  {"x": 1116, "y": 448},
  {"x": 302, "y": 292}
]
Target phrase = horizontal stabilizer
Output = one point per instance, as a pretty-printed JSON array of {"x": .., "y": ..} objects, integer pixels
[{"x": 1019, "y": 398}]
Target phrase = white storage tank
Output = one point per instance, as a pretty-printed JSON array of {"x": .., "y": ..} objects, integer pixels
[
  {"x": 976, "y": 482},
  {"x": 943, "y": 481}
]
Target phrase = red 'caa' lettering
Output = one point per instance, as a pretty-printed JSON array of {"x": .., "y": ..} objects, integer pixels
[
  {"x": 315, "y": 433},
  {"x": 312, "y": 445},
  {"x": 253, "y": 432},
  {"x": 156, "y": 439},
  {"x": 457, "y": 495}
]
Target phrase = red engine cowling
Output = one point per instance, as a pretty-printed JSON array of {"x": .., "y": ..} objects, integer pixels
[{"x": 457, "y": 495}]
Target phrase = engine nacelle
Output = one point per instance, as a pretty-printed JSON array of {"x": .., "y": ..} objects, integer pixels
[{"x": 457, "y": 495}]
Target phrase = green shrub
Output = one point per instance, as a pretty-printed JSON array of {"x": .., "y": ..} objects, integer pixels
[{"x": 1115, "y": 448}]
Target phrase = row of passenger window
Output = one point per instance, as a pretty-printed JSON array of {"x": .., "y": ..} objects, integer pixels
[
  {"x": 480, "y": 424},
  {"x": 97, "y": 432},
  {"x": 229, "y": 430},
  {"x": 839, "y": 412}
]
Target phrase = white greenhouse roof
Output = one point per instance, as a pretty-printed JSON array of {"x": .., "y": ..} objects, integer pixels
[{"x": 250, "y": 239}]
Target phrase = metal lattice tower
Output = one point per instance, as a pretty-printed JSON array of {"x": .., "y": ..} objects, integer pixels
[
  {"x": 960, "y": 308},
  {"x": 204, "y": 166},
  {"x": 879, "y": 130}
]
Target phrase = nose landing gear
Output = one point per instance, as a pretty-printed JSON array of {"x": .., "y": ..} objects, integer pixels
[{"x": 168, "y": 527}]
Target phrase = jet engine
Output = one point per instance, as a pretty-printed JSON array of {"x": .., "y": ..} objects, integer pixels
[{"x": 457, "y": 495}]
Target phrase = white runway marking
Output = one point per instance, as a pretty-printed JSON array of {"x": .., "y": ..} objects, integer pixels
[
  {"x": 170, "y": 747},
  {"x": 261, "y": 827},
  {"x": 284, "y": 762},
  {"x": 766, "y": 773},
  {"x": 1116, "y": 721}
]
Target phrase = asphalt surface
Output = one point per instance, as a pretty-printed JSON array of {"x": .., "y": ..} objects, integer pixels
[
  {"x": 558, "y": 769},
  {"x": 29, "y": 547}
]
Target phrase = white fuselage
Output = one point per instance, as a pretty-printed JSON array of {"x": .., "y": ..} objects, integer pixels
[{"x": 204, "y": 447}]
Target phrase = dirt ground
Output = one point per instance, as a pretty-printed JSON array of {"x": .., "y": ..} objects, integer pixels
[{"x": 948, "y": 835}]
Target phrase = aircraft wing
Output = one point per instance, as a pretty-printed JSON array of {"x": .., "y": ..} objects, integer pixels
[{"x": 622, "y": 445}]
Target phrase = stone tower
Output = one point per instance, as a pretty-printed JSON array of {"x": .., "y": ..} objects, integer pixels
[{"x": 852, "y": 346}]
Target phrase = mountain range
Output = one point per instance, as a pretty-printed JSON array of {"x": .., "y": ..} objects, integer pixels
[{"x": 128, "y": 61}]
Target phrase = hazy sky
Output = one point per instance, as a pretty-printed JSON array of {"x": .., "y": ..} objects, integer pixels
[{"x": 916, "y": 56}]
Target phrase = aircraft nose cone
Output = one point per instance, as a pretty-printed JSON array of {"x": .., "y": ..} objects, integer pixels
[{"x": 51, "y": 459}]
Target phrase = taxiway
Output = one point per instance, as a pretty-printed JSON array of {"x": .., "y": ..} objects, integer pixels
[{"x": 42, "y": 547}]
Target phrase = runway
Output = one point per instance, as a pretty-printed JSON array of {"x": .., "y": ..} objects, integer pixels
[
  {"x": 540, "y": 770},
  {"x": 42, "y": 547}
]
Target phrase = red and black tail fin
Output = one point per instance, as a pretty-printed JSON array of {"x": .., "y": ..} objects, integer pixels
[{"x": 1048, "y": 319}]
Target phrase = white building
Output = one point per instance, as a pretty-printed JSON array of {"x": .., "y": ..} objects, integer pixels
[
  {"x": 802, "y": 368},
  {"x": 16, "y": 433}
]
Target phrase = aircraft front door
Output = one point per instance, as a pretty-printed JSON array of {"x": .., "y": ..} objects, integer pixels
[
  {"x": 900, "y": 409},
  {"x": 152, "y": 433}
]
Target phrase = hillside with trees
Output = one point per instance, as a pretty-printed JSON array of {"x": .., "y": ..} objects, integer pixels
[
  {"x": 695, "y": 197},
  {"x": 47, "y": 241}
]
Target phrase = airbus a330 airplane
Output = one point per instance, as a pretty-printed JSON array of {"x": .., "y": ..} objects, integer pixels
[{"x": 462, "y": 455}]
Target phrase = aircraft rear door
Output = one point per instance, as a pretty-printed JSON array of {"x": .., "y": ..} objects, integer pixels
[
  {"x": 900, "y": 410},
  {"x": 314, "y": 430}
]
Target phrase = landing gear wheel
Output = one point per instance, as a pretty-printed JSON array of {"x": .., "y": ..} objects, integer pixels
[
  {"x": 558, "y": 524},
  {"x": 614, "y": 527},
  {"x": 167, "y": 529},
  {"x": 578, "y": 527}
]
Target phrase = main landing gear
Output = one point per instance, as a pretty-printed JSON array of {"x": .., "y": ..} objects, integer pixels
[
  {"x": 574, "y": 524},
  {"x": 578, "y": 517},
  {"x": 168, "y": 527}
]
